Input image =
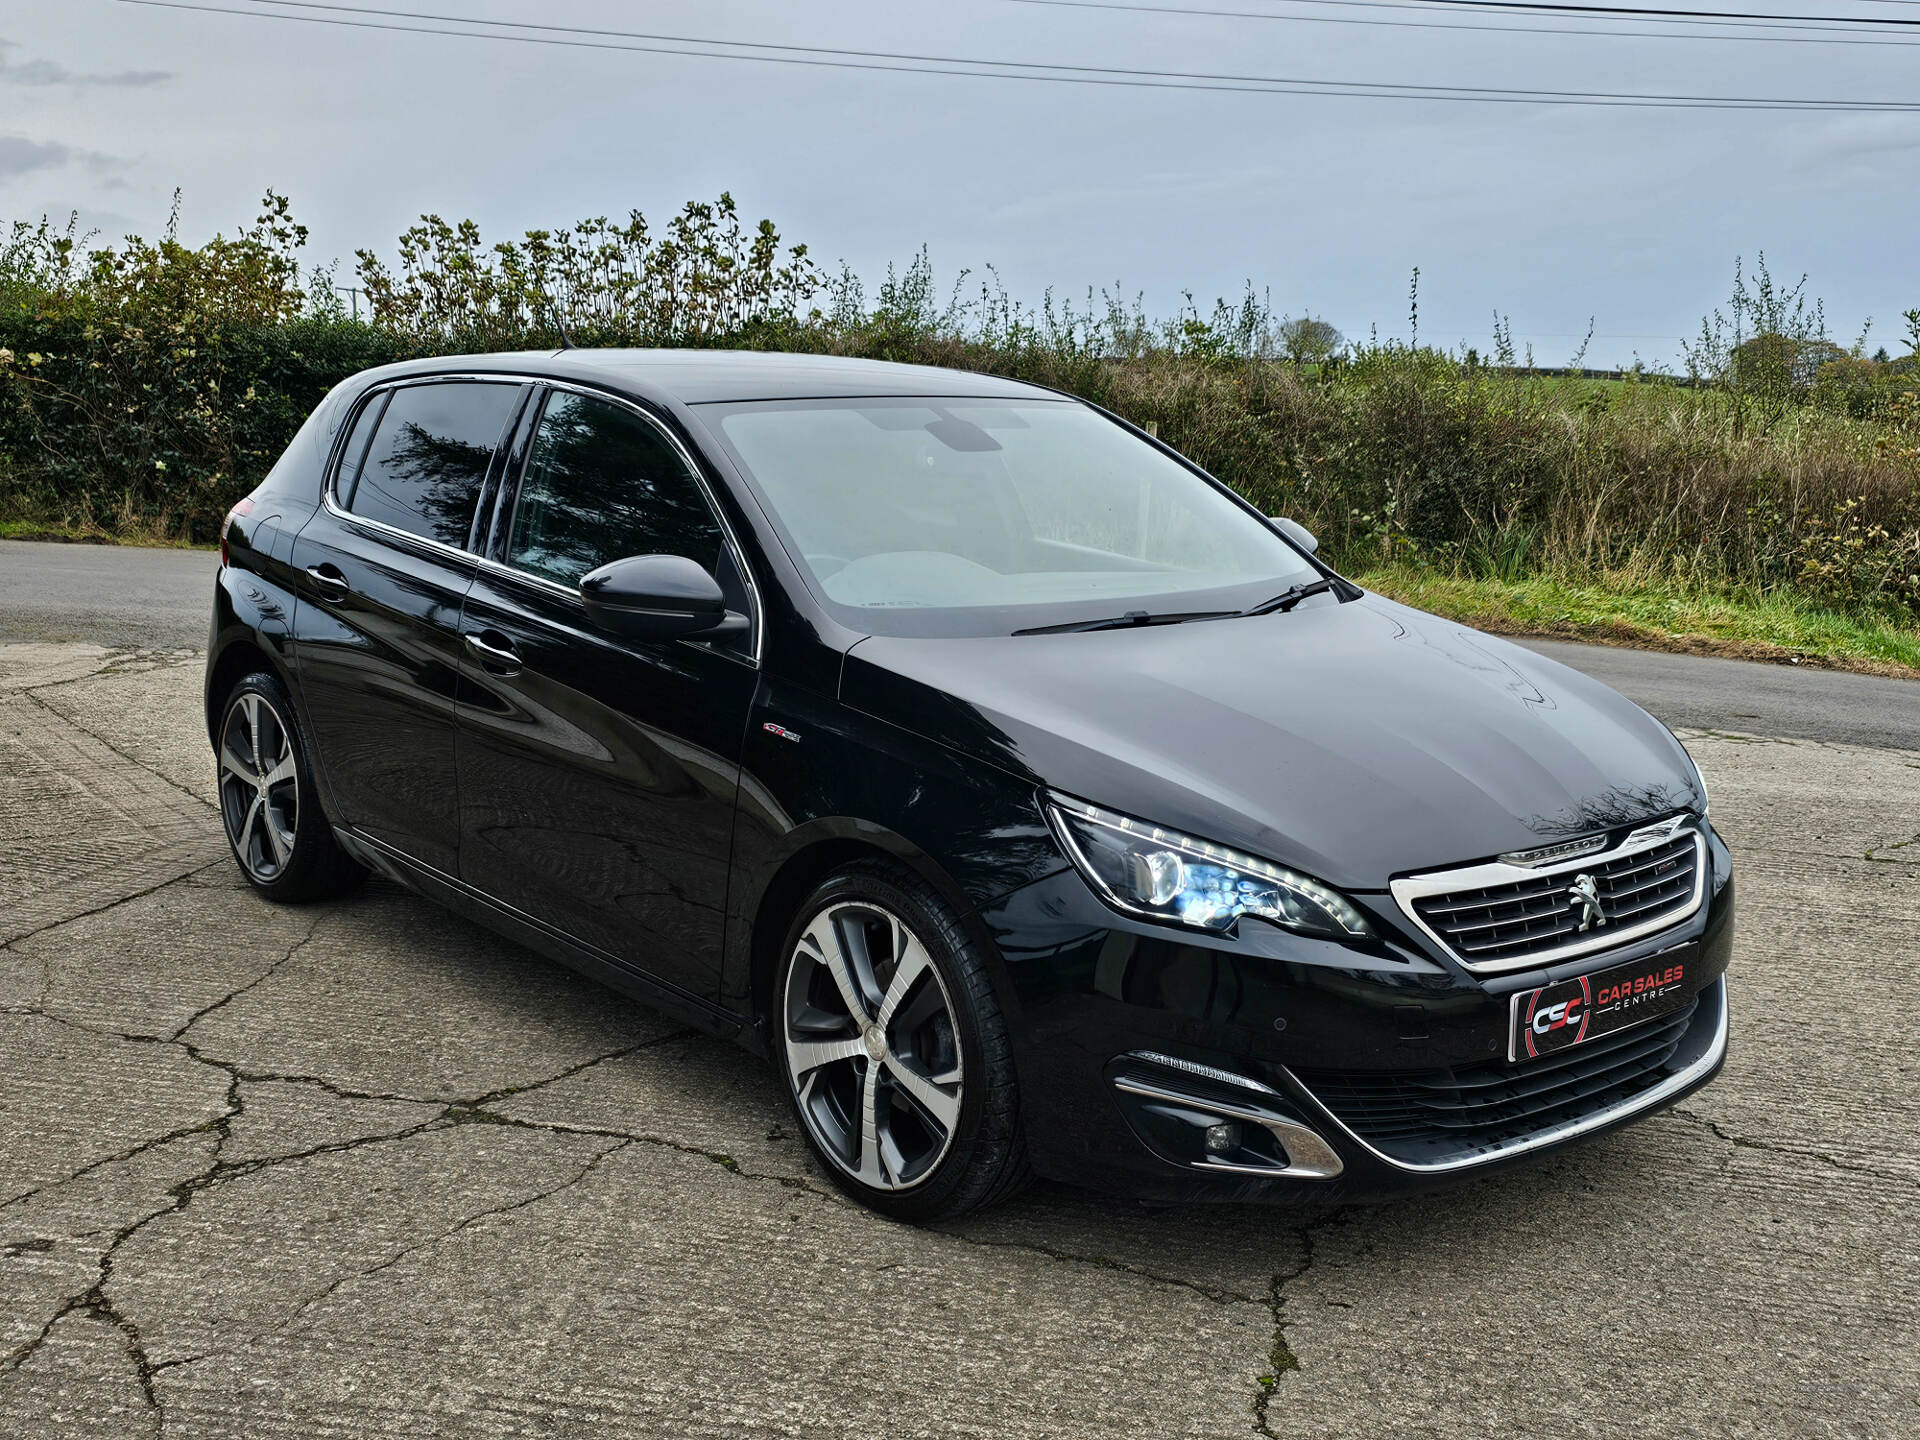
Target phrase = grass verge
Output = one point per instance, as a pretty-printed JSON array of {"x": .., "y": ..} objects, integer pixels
[
  {"x": 67, "y": 533},
  {"x": 1783, "y": 629}
]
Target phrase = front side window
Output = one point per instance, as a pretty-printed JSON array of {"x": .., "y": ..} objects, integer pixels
[
  {"x": 968, "y": 516},
  {"x": 429, "y": 458},
  {"x": 603, "y": 484}
]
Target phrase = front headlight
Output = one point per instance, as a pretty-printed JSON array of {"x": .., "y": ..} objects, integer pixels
[{"x": 1166, "y": 876}]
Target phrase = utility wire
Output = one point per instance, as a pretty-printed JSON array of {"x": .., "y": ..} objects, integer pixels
[
  {"x": 1637, "y": 12},
  {"x": 1602, "y": 14},
  {"x": 907, "y": 63},
  {"x": 1811, "y": 34}
]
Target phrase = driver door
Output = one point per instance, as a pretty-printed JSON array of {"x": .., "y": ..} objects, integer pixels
[{"x": 598, "y": 774}]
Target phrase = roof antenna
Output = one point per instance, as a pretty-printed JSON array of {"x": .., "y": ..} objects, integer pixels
[{"x": 553, "y": 314}]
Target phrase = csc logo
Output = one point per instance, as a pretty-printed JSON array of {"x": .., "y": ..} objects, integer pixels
[{"x": 1557, "y": 1017}]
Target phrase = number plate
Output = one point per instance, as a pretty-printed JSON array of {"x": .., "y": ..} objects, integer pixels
[{"x": 1556, "y": 1017}]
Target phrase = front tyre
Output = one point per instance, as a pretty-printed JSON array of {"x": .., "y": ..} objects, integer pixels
[
  {"x": 894, "y": 1050},
  {"x": 279, "y": 837}
]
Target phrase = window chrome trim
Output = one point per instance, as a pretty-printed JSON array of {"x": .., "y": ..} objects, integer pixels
[
  {"x": 484, "y": 562},
  {"x": 1409, "y": 888},
  {"x": 1666, "y": 1090},
  {"x": 381, "y": 528}
]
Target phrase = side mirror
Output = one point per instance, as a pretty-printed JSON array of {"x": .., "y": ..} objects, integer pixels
[
  {"x": 1296, "y": 532},
  {"x": 657, "y": 597}
]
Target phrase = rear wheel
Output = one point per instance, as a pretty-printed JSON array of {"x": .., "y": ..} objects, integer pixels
[
  {"x": 895, "y": 1053},
  {"x": 279, "y": 837}
]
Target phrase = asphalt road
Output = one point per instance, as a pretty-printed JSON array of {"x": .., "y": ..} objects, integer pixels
[
  {"x": 362, "y": 1169},
  {"x": 118, "y": 595},
  {"x": 122, "y": 596},
  {"x": 1691, "y": 692}
]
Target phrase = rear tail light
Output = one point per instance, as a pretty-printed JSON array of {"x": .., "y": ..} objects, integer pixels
[{"x": 244, "y": 508}]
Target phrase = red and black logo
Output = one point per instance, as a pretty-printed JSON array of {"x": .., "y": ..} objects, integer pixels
[{"x": 1555, "y": 1017}]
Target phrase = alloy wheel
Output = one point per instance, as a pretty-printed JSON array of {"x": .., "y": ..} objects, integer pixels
[
  {"x": 259, "y": 786},
  {"x": 870, "y": 1045}
]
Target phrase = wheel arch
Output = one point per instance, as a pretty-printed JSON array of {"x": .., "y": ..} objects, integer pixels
[
  {"x": 831, "y": 846},
  {"x": 237, "y": 659}
]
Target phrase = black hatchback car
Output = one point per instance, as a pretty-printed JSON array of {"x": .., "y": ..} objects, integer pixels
[{"x": 1032, "y": 801}]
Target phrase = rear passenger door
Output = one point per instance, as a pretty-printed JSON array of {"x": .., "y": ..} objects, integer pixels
[
  {"x": 382, "y": 569},
  {"x": 597, "y": 774}
]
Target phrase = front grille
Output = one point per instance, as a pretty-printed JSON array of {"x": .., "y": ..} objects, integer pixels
[
  {"x": 1521, "y": 918},
  {"x": 1435, "y": 1116}
]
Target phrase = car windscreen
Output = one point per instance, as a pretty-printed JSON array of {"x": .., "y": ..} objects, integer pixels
[{"x": 981, "y": 517}]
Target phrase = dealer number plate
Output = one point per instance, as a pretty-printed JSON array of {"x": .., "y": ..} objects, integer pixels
[{"x": 1557, "y": 1017}]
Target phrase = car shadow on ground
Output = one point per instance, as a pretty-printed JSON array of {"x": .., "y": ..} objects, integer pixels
[{"x": 583, "y": 1056}]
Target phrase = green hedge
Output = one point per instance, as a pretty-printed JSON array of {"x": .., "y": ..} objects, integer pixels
[
  {"x": 1407, "y": 455},
  {"x": 117, "y": 428},
  {"x": 144, "y": 389}
]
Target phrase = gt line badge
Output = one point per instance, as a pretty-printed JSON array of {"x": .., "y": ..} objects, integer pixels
[{"x": 786, "y": 734}]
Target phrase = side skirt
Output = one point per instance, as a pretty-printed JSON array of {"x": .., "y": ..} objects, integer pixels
[{"x": 516, "y": 925}]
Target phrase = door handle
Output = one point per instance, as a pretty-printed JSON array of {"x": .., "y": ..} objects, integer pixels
[
  {"x": 496, "y": 658},
  {"x": 328, "y": 580}
]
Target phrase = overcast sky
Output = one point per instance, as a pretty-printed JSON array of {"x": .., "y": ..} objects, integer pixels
[{"x": 1548, "y": 213}]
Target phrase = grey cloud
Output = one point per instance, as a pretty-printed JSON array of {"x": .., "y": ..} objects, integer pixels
[
  {"x": 52, "y": 72},
  {"x": 20, "y": 155}
]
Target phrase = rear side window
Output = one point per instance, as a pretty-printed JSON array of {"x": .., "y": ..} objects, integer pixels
[
  {"x": 429, "y": 457},
  {"x": 602, "y": 484}
]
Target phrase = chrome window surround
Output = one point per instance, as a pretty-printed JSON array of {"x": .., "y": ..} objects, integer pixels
[
  {"x": 1652, "y": 1099},
  {"x": 337, "y": 510},
  {"x": 1410, "y": 888},
  {"x": 1309, "y": 1156}
]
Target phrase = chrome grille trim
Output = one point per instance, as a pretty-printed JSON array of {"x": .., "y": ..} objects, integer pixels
[{"x": 1410, "y": 889}]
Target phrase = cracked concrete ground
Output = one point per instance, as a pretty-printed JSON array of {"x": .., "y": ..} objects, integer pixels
[{"x": 362, "y": 1169}]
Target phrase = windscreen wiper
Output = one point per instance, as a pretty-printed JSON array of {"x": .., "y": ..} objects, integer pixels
[
  {"x": 1289, "y": 598},
  {"x": 1127, "y": 621},
  {"x": 1285, "y": 600}
]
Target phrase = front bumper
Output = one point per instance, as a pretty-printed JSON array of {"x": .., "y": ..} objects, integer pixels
[{"x": 1133, "y": 1041}]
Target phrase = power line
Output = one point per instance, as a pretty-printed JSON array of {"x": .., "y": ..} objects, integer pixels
[
  {"x": 1642, "y": 12},
  {"x": 1055, "y": 73},
  {"x": 1600, "y": 14},
  {"x": 1813, "y": 35}
]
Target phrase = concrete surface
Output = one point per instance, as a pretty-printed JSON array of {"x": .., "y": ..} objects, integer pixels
[
  {"x": 361, "y": 1169},
  {"x": 126, "y": 596}
]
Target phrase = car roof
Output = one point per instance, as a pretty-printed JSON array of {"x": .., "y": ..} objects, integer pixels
[{"x": 702, "y": 377}]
